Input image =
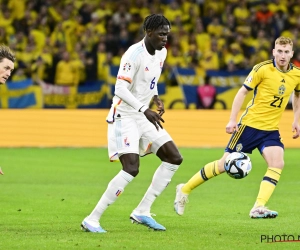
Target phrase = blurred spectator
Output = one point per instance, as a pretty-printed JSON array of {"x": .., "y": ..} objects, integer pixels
[
  {"x": 210, "y": 59},
  {"x": 277, "y": 5},
  {"x": 215, "y": 28},
  {"x": 296, "y": 59},
  {"x": 101, "y": 62},
  {"x": 139, "y": 9},
  {"x": 263, "y": 15},
  {"x": 175, "y": 58},
  {"x": 66, "y": 72},
  {"x": 121, "y": 16},
  {"x": 202, "y": 38},
  {"x": 192, "y": 55},
  {"x": 17, "y": 8},
  {"x": 4, "y": 38},
  {"x": 85, "y": 12},
  {"x": 19, "y": 75},
  {"x": 39, "y": 70},
  {"x": 172, "y": 11},
  {"x": 124, "y": 39},
  {"x": 235, "y": 56},
  {"x": 241, "y": 12}
]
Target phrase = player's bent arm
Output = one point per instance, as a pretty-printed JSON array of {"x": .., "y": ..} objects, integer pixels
[
  {"x": 238, "y": 102},
  {"x": 123, "y": 92},
  {"x": 296, "y": 109},
  {"x": 296, "y": 106}
]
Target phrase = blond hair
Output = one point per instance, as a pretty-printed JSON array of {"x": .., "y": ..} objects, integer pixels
[
  {"x": 284, "y": 40},
  {"x": 5, "y": 52}
]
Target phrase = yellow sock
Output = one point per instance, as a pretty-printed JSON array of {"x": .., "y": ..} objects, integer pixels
[
  {"x": 268, "y": 185},
  {"x": 209, "y": 171}
]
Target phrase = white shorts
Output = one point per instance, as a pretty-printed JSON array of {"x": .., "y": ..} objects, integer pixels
[{"x": 128, "y": 135}]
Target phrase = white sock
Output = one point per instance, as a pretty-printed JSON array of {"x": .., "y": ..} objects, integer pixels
[
  {"x": 161, "y": 179},
  {"x": 114, "y": 189}
]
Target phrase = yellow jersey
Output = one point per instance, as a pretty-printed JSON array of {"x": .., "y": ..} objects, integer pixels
[{"x": 272, "y": 90}]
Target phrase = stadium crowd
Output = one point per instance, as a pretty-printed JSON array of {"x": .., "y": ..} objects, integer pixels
[{"x": 68, "y": 42}]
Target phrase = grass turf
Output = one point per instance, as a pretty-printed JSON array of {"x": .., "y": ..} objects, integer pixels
[{"x": 45, "y": 194}]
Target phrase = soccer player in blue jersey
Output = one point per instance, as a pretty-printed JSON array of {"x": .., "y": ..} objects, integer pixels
[
  {"x": 7, "y": 59},
  {"x": 134, "y": 129},
  {"x": 271, "y": 82}
]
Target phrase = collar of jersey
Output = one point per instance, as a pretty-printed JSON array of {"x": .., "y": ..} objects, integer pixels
[
  {"x": 290, "y": 66},
  {"x": 147, "y": 53}
]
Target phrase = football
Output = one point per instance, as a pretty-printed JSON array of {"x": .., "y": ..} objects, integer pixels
[{"x": 238, "y": 165}]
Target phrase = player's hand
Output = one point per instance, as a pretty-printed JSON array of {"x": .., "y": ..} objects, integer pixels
[
  {"x": 296, "y": 130},
  {"x": 154, "y": 118},
  {"x": 160, "y": 105},
  {"x": 231, "y": 127}
]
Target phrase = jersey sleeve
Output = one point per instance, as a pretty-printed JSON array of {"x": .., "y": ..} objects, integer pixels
[
  {"x": 253, "y": 79},
  {"x": 127, "y": 69},
  {"x": 125, "y": 75},
  {"x": 297, "y": 89}
]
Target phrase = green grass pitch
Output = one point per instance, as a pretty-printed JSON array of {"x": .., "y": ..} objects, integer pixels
[{"x": 45, "y": 194}]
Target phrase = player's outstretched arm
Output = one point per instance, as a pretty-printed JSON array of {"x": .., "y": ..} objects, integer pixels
[
  {"x": 236, "y": 107},
  {"x": 296, "y": 109},
  {"x": 159, "y": 104}
]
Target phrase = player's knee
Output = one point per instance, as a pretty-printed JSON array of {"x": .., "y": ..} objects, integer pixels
[
  {"x": 176, "y": 159},
  {"x": 278, "y": 164},
  {"x": 179, "y": 160},
  {"x": 132, "y": 170}
]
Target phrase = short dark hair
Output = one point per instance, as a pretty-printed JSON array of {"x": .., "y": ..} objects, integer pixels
[
  {"x": 5, "y": 52},
  {"x": 154, "y": 21}
]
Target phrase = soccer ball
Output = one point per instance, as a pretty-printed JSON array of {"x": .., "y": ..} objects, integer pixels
[{"x": 238, "y": 165}]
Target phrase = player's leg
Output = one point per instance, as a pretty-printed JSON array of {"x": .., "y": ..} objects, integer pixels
[
  {"x": 239, "y": 141},
  {"x": 115, "y": 188},
  {"x": 273, "y": 155},
  {"x": 171, "y": 159},
  {"x": 209, "y": 171},
  {"x": 167, "y": 151},
  {"x": 127, "y": 151}
]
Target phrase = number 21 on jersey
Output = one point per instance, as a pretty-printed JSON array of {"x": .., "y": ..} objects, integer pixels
[{"x": 277, "y": 102}]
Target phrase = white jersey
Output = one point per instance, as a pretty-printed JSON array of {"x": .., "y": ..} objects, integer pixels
[{"x": 139, "y": 72}]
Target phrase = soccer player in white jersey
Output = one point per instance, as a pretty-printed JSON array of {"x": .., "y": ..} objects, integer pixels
[
  {"x": 135, "y": 130},
  {"x": 7, "y": 59}
]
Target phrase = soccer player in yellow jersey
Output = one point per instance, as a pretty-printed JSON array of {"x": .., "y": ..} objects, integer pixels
[{"x": 272, "y": 83}]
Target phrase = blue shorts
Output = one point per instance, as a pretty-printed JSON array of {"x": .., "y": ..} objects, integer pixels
[{"x": 247, "y": 139}]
